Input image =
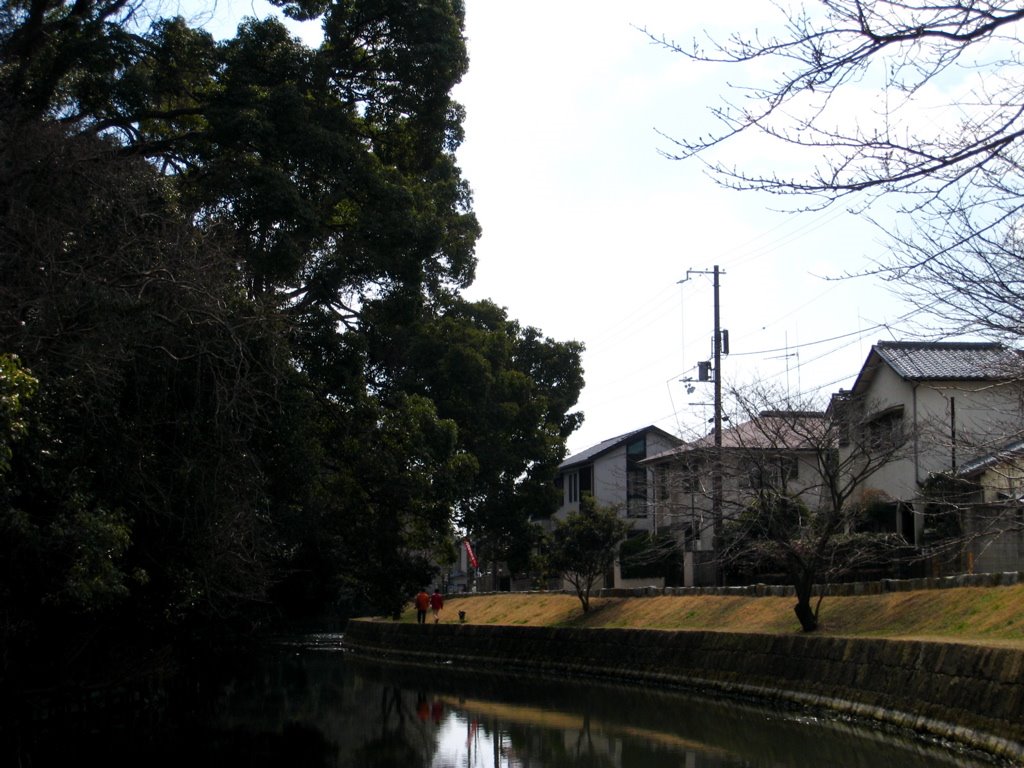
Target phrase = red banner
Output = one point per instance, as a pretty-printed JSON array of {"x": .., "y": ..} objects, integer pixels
[{"x": 469, "y": 552}]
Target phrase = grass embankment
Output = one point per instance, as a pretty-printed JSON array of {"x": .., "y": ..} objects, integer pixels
[{"x": 982, "y": 615}]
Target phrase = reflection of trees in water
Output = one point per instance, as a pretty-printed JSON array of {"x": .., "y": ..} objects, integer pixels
[
  {"x": 589, "y": 753},
  {"x": 393, "y": 747},
  {"x": 569, "y": 747},
  {"x": 324, "y": 710},
  {"x": 363, "y": 723},
  {"x": 550, "y": 723},
  {"x": 371, "y": 716}
]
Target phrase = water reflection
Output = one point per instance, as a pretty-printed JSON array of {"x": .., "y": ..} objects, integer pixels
[
  {"x": 308, "y": 703},
  {"x": 377, "y": 715}
]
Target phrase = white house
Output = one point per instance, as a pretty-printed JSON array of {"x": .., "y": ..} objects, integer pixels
[
  {"x": 776, "y": 450},
  {"x": 614, "y": 474},
  {"x": 951, "y": 402}
]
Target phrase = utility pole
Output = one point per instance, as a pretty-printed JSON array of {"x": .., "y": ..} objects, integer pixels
[
  {"x": 716, "y": 471},
  {"x": 716, "y": 355}
]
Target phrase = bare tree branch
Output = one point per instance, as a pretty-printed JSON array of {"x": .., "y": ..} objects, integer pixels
[{"x": 918, "y": 102}]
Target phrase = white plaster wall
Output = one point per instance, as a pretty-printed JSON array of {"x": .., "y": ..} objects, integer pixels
[
  {"x": 610, "y": 478},
  {"x": 986, "y": 415}
]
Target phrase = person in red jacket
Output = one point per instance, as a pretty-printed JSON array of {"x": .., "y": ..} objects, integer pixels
[
  {"x": 422, "y": 601},
  {"x": 436, "y": 604}
]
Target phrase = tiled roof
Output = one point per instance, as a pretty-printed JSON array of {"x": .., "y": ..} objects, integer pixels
[
  {"x": 1006, "y": 453},
  {"x": 940, "y": 361},
  {"x": 774, "y": 430},
  {"x": 948, "y": 360},
  {"x": 589, "y": 453}
]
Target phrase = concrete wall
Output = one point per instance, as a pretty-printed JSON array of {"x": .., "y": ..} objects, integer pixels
[
  {"x": 969, "y": 694},
  {"x": 1003, "y": 549}
]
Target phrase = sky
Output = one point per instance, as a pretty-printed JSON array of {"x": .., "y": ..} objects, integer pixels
[
  {"x": 588, "y": 229},
  {"x": 591, "y": 234}
]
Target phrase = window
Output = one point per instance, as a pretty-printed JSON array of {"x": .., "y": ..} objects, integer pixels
[
  {"x": 842, "y": 415},
  {"x": 661, "y": 483},
  {"x": 636, "y": 478},
  {"x": 769, "y": 472},
  {"x": 884, "y": 432},
  {"x": 578, "y": 482},
  {"x": 637, "y": 449},
  {"x": 691, "y": 477},
  {"x": 636, "y": 494},
  {"x": 586, "y": 475}
]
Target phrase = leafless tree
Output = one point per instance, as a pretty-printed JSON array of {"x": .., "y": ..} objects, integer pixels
[
  {"x": 917, "y": 102},
  {"x": 791, "y": 502}
]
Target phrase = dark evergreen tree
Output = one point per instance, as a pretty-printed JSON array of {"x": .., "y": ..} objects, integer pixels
[{"x": 205, "y": 247}]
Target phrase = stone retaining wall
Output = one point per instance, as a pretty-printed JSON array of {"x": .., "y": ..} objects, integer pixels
[
  {"x": 969, "y": 694},
  {"x": 833, "y": 590},
  {"x": 882, "y": 586}
]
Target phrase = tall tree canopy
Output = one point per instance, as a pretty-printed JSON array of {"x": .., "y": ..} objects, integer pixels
[
  {"x": 231, "y": 276},
  {"x": 509, "y": 388},
  {"x": 138, "y": 478},
  {"x": 335, "y": 165}
]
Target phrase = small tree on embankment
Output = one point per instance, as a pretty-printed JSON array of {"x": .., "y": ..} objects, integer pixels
[{"x": 583, "y": 546}]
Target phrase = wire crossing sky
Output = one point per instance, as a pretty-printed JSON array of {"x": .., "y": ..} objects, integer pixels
[{"x": 588, "y": 228}]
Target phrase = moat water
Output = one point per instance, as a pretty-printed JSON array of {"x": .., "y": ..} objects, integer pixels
[{"x": 307, "y": 702}]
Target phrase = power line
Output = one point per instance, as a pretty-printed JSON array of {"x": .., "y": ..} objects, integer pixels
[
  {"x": 750, "y": 249},
  {"x": 860, "y": 332}
]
